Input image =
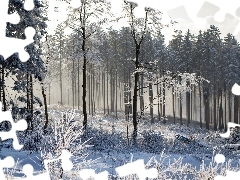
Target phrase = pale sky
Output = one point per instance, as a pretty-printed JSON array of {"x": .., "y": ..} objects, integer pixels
[{"x": 190, "y": 14}]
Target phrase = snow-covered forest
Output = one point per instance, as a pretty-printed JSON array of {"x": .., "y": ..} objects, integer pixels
[{"x": 110, "y": 96}]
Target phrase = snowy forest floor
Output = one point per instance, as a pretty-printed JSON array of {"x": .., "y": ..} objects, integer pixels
[{"x": 178, "y": 152}]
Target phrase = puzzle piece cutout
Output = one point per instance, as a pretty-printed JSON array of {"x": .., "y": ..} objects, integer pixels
[
  {"x": 198, "y": 15},
  {"x": 229, "y": 125},
  {"x": 67, "y": 165},
  {"x": 90, "y": 173},
  {"x": 223, "y": 14},
  {"x": 236, "y": 89},
  {"x": 138, "y": 168},
  {"x": 21, "y": 125},
  {"x": 227, "y": 22},
  {"x": 7, "y": 162},
  {"x": 28, "y": 171},
  {"x": 61, "y": 11},
  {"x": 219, "y": 158},
  {"x": 8, "y": 45},
  {"x": 229, "y": 174}
]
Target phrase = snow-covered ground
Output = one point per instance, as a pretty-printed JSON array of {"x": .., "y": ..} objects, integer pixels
[{"x": 176, "y": 151}]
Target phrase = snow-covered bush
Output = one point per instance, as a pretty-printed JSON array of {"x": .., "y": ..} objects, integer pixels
[
  {"x": 105, "y": 141},
  {"x": 63, "y": 132}
]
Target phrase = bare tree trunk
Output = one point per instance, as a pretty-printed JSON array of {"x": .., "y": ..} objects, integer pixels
[
  {"x": 84, "y": 78},
  {"x": 89, "y": 89},
  {"x": 180, "y": 103},
  {"x": 1, "y": 80},
  {"x": 158, "y": 94},
  {"x": 207, "y": 108},
  {"x": 78, "y": 87},
  {"x": 214, "y": 110},
  {"x": 220, "y": 116},
  {"x": 107, "y": 89},
  {"x": 151, "y": 102},
  {"x": 120, "y": 95},
  {"x": 116, "y": 92},
  {"x": 99, "y": 89},
  {"x": 45, "y": 107},
  {"x": 211, "y": 108},
  {"x": 136, "y": 77},
  {"x": 94, "y": 92},
  {"x": 191, "y": 105},
  {"x": 60, "y": 70},
  {"x": 164, "y": 102},
  {"x": 195, "y": 105},
  {"x": 235, "y": 109},
  {"x": 142, "y": 97},
  {"x": 200, "y": 104},
  {"x": 225, "y": 107},
  {"x": 112, "y": 89},
  {"x": 103, "y": 84},
  {"x": 126, "y": 104},
  {"x": 28, "y": 102},
  {"x": 75, "y": 91},
  {"x": 31, "y": 100},
  {"x": 180, "y": 108},
  {"x": 3, "y": 89},
  {"x": 173, "y": 104},
  {"x": 230, "y": 106},
  {"x": 188, "y": 107}
]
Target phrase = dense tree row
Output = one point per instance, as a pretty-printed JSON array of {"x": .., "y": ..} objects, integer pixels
[
  {"x": 209, "y": 65},
  {"x": 131, "y": 69}
]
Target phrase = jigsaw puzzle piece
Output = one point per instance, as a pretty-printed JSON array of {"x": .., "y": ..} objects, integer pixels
[
  {"x": 213, "y": 15},
  {"x": 236, "y": 33},
  {"x": 228, "y": 25},
  {"x": 7, "y": 162},
  {"x": 75, "y": 3},
  {"x": 21, "y": 125},
  {"x": 207, "y": 10},
  {"x": 9, "y": 46},
  {"x": 29, "y": 5},
  {"x": 229, "y": 125},
  {"x": 219, "y": 158},
  {"x": 229, "y": 175},
  {"x": 236, "y": 89},
  {"x": 28, "y": 171},
  {"x": 67, "y": 164},
  {"x": 180, "y": 14},
  {"x": 137, "y": 167},
  {"x": 5, "y": 17},
  {"x": 90, "y": 173},
  {"x": 238, "y": 12},
  {"x": 13, "y": 45},
  {"x": 210, "y": 10}
]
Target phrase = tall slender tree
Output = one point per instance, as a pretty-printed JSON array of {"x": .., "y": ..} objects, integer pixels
[
  {"x": 88, "y": 17},
  {"x": 139, "y": 27}
]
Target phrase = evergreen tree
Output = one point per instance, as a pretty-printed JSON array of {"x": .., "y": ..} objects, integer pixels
[{"x": 34, "y": 69}]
